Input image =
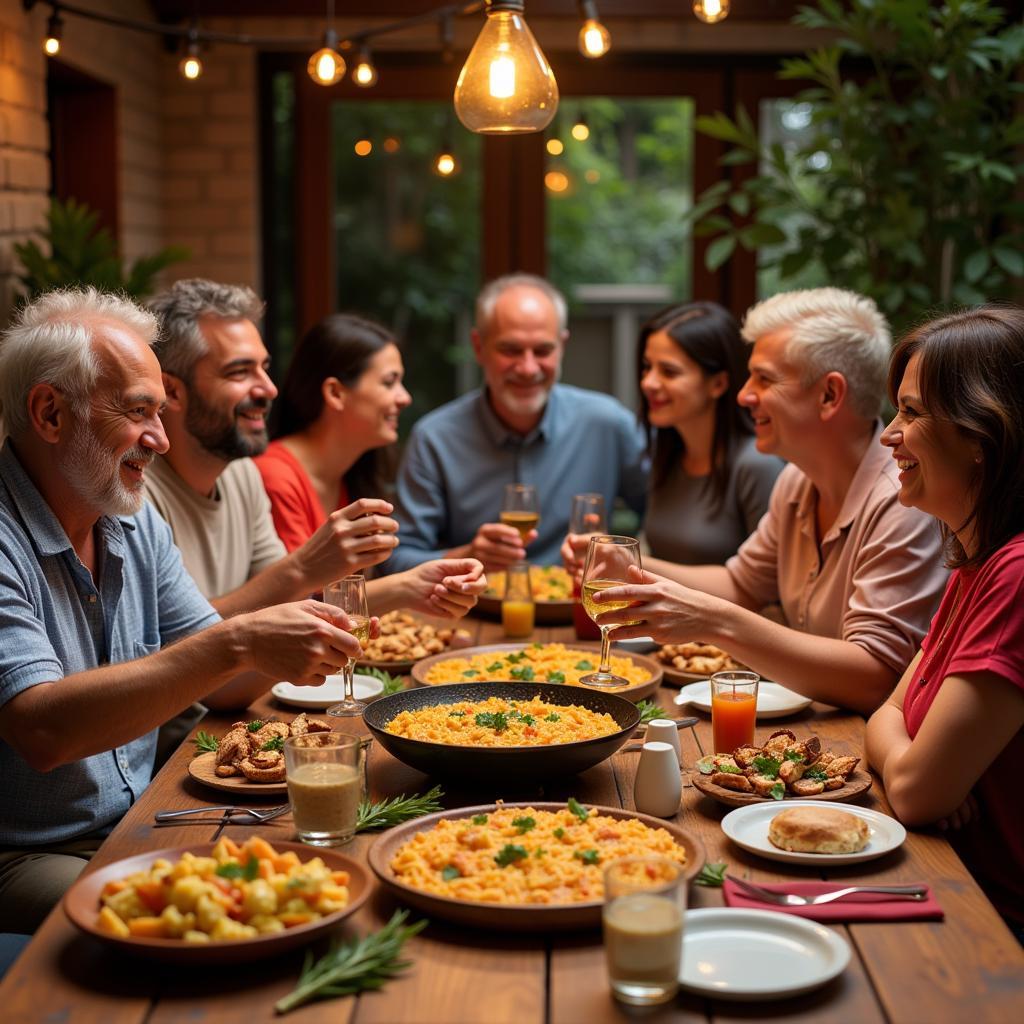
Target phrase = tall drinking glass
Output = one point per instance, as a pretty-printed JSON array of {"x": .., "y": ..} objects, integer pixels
[
  {"x": 349, "y": 594},
  {"x": 586, "y": 517},
  {"x": 733, "y": 709},
  {"x": 521, "y": 508},
  {"x": 608, "y": 560}
]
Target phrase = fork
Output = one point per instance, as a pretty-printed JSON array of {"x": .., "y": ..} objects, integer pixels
[
  {"x": 915, "y": 893},
  {"x": 231, "y": 811}
]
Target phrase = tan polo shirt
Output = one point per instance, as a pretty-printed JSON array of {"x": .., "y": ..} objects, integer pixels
[
  {"x": 225, "y": 538},
  {"x": 878, "y": 576}
]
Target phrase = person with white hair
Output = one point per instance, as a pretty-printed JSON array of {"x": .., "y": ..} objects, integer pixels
[
  {"x": 857, "y": 574},
  {"x": 105, "y": 635},
  {"x": 521, "y": 427}
]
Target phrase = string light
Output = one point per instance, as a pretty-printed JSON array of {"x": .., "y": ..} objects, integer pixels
[
  {"x": 364, "y": 74},
  {"x": 711, "y": 10},
  {"x": 556, "y": 181},
  {"x": 555, "y": 147},
  {"x": 54, "y": 33},
  {"x": 190, "y": 66},
  {"x": 506, "y": 86},
  {"x": 581, "y": 130},
  {"x": 391, "y": 144},
  {"x": 326, "y": 66},
  {"x": 594, "y": 39},
  {"x": 445, "y": 163},
  {"x": 363, "y": 147}
]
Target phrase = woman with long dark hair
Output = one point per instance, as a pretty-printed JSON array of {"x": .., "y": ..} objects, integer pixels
[
  {"x": 709, "y": 485},
  {"x": 948, "y": 743}
]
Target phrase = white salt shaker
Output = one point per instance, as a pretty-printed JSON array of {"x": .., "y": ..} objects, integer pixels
[
  {"x": 658, "y": 787},
  {"x": 664, "y": 730}
]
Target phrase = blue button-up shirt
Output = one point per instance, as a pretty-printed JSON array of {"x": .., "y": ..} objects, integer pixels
[
  {"x": 459, "y": 458},
  {"x": 55, "y": 620}
]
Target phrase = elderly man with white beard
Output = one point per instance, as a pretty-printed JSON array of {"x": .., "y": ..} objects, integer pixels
[{"x": 103, "y": 635}]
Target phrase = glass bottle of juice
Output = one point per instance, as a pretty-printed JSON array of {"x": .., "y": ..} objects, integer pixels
[{"x": 517, "y": 608}]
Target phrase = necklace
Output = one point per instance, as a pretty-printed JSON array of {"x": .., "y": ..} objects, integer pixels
[{"x": 946, "y": 626}]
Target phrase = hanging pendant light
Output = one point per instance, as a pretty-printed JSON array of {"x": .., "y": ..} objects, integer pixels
[
  {"x": 506, "y": 86},
  {"x": 711, "y": 10},
  {"x": 364, "y": 73},
  {"x": 327, "y": 65},
  {"x": 191, "y": 65},
  {"x": 594, "y": 39}
]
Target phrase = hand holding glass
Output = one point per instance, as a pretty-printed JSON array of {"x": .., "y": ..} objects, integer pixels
[
  {"x": 587, "y": 514},
  {"x": 608, "y": 561},
  {"x": 521, "y": 508},
  {"x": 349, "y": 594}
]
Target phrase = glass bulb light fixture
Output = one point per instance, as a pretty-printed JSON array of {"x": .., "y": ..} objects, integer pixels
[
  {"x": 711, "y": 10},
  {"x": 54, "y": 34},
  {"x": 190, "y": 66},
  {"x": 326, "y": 66},
  {"x": 506, "y": 86},
  {"x": 364, "y": 74},
  {"x": 581, "y": 130},
  {"x": 445, "y": 163},
  {"x": 594, "y": 39}
]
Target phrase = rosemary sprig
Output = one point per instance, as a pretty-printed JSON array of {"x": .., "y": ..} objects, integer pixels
[
  {"x": 649, "y": 711},
  {"x": 392, "y": 684},
  {"x": 205, "y": 742},
  {"x": 386, "y": 813},
  {"x": 350, "y": 967},
  {"x": 712, "y": 875}
]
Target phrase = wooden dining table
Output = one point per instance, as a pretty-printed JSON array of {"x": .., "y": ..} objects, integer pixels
[{"x": 968, "y": 967}]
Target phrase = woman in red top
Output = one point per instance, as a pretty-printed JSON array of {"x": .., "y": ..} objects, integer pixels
[{"x": 948, "y": 743}]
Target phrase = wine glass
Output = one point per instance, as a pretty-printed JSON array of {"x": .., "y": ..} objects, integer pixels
[
  {"x": 349, "y": 594},
  {"x": 608, "y": 561},
  {"x": 587, "y": 514},
  {"x": 521, "y": 508}
]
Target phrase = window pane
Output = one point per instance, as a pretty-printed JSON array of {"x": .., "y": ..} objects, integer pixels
[{"x": 406, "y": 240}]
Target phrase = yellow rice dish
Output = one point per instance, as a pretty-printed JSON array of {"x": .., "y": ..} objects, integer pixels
[
  {"x": 496, "y": 722},
  {"x": 524, "y": 856},
  {"x": 538, "y": 663},
  {"x": 238, "y": 892},
  {"x": 547, "y": 583}
]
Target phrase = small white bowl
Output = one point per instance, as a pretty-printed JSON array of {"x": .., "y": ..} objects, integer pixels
[{"x": 332, "y": 691}]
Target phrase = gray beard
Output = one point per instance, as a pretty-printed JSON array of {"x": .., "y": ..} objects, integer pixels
[{"x": 95, "y": 474}]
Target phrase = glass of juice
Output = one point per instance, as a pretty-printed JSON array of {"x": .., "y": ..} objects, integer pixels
[
  {"x": 733, "y": 709},
  {"x": 644, "y": 906},
  {"x": 521, "y": 508},
  {"x": 517, "y": 608},
  {"x": 349, "y": 594},
  {"x": 586, "y": 517},
  {"x": 325, "y": 786},
  {"x": 608, "y": 561}
]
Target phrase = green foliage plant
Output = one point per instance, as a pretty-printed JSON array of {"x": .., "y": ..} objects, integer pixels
[
  {"x": 81, "y": 253},
  {"x": 904, "y": 188}
]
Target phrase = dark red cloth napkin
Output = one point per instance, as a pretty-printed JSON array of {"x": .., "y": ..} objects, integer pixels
[{"x": 861, "y": 906}]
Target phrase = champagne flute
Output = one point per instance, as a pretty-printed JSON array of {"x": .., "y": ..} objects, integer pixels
[
  {"x": 608, "y": 561},
  {"x": 520, "y": 508},
  {"x": 349, "y": 594},
  {"x": 587, "y": 514}
]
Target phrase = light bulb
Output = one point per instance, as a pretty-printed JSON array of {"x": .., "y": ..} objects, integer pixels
[
  {"x": 594, "y": 39},
  {"x": 581, "y": 131},
  {"x": 506, "y": 86},
  {"x": 190, "y": 67},
  {"x": 446, "y": 165},
  {"x": 364, "y": 147},
  {"x": 711, "y": 10},
  {"x": 555, "y": 147},
  {"x": 556, "y": 181},
  {"x": 364, "y": 74},
  {"x": 326, "y": 66},
  {"x": 54, "y": 34}
]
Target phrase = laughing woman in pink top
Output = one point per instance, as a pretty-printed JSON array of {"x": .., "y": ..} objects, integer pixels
[{"x": 948, "y": 743}]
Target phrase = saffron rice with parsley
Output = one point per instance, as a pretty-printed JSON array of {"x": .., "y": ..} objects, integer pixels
[
  {"x": 497, "y": 722},
  {"x": 538, "y": 663},
  {"x": 519, "y": 855}
]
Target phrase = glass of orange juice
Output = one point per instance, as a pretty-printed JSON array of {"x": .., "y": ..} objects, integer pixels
[
  {"x": 517, "y": 608},
  {"x": 733, "y": 709}
]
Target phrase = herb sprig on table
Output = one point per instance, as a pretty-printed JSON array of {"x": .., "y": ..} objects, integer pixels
[
  {"x": 392, "y": 684},
  {"x": 387, "y": 813},
  {"x": 649, "y": 711},
  {"x": 205, "y": 742},
  {"x": 349, "y": 967},
  {"x": 712, "y": 874}
]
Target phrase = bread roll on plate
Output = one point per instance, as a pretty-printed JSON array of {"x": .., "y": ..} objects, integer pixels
[{"x": 818, "y": 830}]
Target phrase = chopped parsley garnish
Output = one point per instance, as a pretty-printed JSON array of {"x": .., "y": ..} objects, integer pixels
[
  {"x": 255, "y": 725},
  {"x": 792, "y": 755},
  {"x": 470, "y": 672},
  {"x": 274, "y": 743},
  {"x": 558, "y": 833},
  {"x": 524, "y": 673},
  {"x": 539, "y": 852},
  {"x": 449, "y": 872},
  {"x": 578, "y": 809},
  {"x": 815, "y": 773},
  {"x": 729, "y": 769},
  {"x": 537, "y": 646},
  {"x": 556, "y": 677},
  {"x": 524, "y": 824},
  {"x": 456, "y": 714},
  {"x": 778, "y": 791},
  {"x": 479, "y": 819},
  {"x": 498, "y": 720},
  {"x": 520, "y": 717},
  {"x": 588, "y": 856},
  {"x": 584, "y": 666},
  {"x": 553, "y": 717},
  {"x": 235, "y": 870},
  {"x": 768, "y": 766},
  {"x": 509, "y": 854},
  {"x": 515, "y": 658},
  {"x": 496, "y": 666}
]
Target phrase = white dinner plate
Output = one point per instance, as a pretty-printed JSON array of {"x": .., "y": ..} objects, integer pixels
[
  {"x": 758, "y": 954},
  {"x": 773, "y": 700},
  {"x": 638, "y": 645},
  {"x": 332, "y": 691},
  {"x": 748, "y": 827}
]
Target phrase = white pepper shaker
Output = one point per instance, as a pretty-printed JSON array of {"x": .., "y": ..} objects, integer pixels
[{"x": 658, "y": 787}]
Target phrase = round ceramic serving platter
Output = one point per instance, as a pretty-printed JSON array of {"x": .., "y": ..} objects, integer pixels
[
  {"x": 331, "y": 692},
  {"x": 203, "y": 769},
  {"x": 858, "y": 782},
  {"x": 773, "y": 700},
  {"x": 497, "y": 765},
  {"x": 748, "y": 827},
  {"x": 82, "y": 905},
  {"x": 506, "y": 916},
  {"x": 591, "y": 653},
  {"x": 758, "y": 954}
]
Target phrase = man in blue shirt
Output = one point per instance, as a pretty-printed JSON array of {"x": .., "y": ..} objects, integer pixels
[
  {"x": 522, "y": 427},
  {"x": 97, "y": 614}
]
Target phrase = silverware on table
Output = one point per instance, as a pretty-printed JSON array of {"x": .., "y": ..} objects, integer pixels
[
  {"x": 913, "y": 893},
  {"x": 235, "y": 814}
]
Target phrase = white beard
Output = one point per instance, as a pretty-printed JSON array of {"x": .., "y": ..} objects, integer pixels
[{"x": 95, "y": 474}]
